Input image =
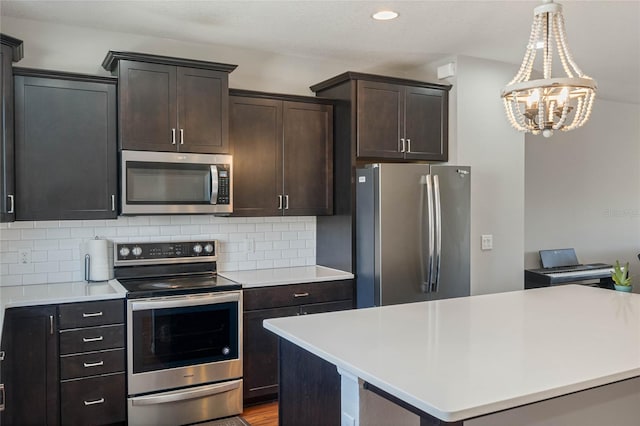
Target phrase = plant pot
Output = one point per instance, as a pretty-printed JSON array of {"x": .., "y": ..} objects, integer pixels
[{"x": 625, "y": 288}]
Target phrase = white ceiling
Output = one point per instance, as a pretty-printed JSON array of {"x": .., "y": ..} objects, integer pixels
[{"x": 604, "y": 36}]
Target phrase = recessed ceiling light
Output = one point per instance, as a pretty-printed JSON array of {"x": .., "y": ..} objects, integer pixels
[{"x": 385, "y": 15}]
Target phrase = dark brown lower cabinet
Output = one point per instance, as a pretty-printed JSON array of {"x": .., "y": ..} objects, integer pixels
[
  {"x": 309, "y": 390},
  {"x": 260, "y": 346},
  {"x": 30, "y": 367},
  {"x": 55, "y": 371}
]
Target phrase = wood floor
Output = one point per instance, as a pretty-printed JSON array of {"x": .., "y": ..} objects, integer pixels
[{"x": 262, "y": 415}]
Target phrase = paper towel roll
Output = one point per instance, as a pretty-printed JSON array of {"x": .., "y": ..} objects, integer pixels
[{"x": 99, "y": 263}]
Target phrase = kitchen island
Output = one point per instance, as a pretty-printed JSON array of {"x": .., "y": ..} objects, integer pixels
[{"x": 567, "y": 355}]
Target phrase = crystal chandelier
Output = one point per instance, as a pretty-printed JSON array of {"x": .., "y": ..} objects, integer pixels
[{"x": 548, "y": 104}]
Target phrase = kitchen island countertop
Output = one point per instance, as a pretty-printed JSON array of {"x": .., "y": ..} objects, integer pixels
[
  {"x": 54, "y": 293},
  {"x": 283, "y": 276},
  {"x": 457, "y": 359}
]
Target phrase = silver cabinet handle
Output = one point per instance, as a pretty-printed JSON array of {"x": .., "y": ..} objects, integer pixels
[
  {"x": 113, "y": 202},
  {"x": 93, "y": 364},
  {"x": 92, "y": 314},
  {"x": 286, "y": 202},
  {"x": 173, "y": 136},
  {"x": 1, "y": 396},
  {"x": 181, "y": 136},
  {"x": 50, "y": 324},
  {"x": 300, "y": 294},
  {"x": 402, "y": 141},
  {"x": 408, "y": 145},
  {"x": 279, "y": 202},
  {"x": 11, "y": 203},
  {"x": 95, "y": 401},
  {"x": 92, "y": 339}
]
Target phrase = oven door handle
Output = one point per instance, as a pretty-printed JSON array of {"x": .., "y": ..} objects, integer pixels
[
  {"x": 183, "y": 395},
  {"x": 184, "y": 301}
]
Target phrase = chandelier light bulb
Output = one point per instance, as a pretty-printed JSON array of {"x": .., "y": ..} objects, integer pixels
[{"x": 550, "y": 103}]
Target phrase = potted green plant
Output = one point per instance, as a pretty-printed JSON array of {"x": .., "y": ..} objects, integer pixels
[{"x": 620, "y": 277}]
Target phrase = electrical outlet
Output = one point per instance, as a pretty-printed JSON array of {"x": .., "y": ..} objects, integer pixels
[
  {"x": 487, "y": 242},
  {"x": 24, "y": 256},
  {"x": 249, "y": 245}
]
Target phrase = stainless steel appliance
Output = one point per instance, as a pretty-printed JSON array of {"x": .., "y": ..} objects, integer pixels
[
  {"x": 170, "y": 182},
  {"x": 184, "y": 333},
  {"x": 412, "y": 233}
]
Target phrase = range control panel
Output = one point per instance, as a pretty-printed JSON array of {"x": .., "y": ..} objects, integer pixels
[{"x": 165, "y": 252}]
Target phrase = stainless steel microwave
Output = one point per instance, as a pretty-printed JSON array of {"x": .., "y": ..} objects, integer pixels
[{"x": 176, "y": 183}]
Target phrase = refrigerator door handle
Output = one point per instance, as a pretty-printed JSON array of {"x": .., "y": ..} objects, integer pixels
[
  {"x": 426, "y": 284},
  {"x": 438, "y": 233}
]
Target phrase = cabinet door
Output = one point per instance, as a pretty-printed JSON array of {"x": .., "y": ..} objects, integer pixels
[
  {"x": 30, "y": 369},
  {"x": 255, "y": 129},
  {"x": 260, "y": 353},
  {"x": 308, "y": 159},
  {"x": 7, "y": 190},
  {"x": 203, "y": 111},
  {"x": 379, "y": 120},
  {"x": 426, "y": 112},
  {"x": 148, "y": 112},
  {"x": 317, "y": 308},
  {"x": 65, "y": 149}
]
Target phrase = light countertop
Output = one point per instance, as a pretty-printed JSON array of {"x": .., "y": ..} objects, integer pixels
[
  {"x": 283, "y": 276},
  {"x": 465, "y": 357},
  {"x": 47, "y": 294}
]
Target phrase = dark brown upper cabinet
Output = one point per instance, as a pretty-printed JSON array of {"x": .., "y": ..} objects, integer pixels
[
  {"x": 65, "y": 146},
  {"x": 396, "y": 119},
  {"x": 10, "y": 51},
  {"x": 282, "y": 154},
  {"x": 171, "y": 104}
]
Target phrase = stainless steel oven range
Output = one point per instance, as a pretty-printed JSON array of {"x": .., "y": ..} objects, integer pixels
[{"x": 184, "y": 333}]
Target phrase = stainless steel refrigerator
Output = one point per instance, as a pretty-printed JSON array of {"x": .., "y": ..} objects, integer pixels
[{"x": 412, "y": 233}]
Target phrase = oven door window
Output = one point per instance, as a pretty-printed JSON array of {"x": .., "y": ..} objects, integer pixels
[
  {"x": 168, "y": 183},
  {"x": 178, "y": 337}
]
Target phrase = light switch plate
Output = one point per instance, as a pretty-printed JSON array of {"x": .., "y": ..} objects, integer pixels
[{"x": 487, "y": 242}]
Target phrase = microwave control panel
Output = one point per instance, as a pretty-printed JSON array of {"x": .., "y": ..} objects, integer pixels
[{"x": 224, "y": 186}]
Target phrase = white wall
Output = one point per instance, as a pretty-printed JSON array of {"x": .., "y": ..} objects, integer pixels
[
  {"x": 583, "y": 189},
  {"x": 495, "y": 151}
]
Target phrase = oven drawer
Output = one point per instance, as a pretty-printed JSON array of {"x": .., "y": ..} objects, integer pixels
[
  {"x": 296, "y": 294},
  {"x": 89, "y": 314},
  {"x": 91, "y": 339},
  {"x": 188, "y": 405},
  {"x": 93, "y": 401},
  {"x": 92, "y": 364}
]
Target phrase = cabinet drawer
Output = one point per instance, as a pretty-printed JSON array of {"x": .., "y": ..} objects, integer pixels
[
  {"x": 94, "y": 401},
  {"x": 88, "y": 314},
  {"x": 91, "y": 339},
  {"x": 317, "y": 308},
  {"x": 297, "y": 294},
  {"x": 92, "y": 364}
]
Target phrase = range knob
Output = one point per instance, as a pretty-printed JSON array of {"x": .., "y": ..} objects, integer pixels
[
  {"x": 197, "y": 248},
  {"x": 124, "y": 251},
  {"x": 208, "y": 248},
  {"x": 137, "y": 251}
]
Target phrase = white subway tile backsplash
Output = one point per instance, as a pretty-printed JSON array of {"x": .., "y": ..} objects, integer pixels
[
  {"x": 244, "y": 243},
  {"x": 34, "y": 234}
]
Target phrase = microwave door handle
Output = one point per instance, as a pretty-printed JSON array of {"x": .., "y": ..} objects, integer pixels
[{"x": 213, "y": 197}]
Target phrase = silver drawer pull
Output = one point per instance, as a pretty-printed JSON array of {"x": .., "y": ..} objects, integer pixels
[
  {"x": 300, "y": 294},
  {"x": 93, "y": 364},
  {"x": 94, "y": 402},
  {"x": 92, "y": 314},
  {"x": 92, "y": 339}
]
